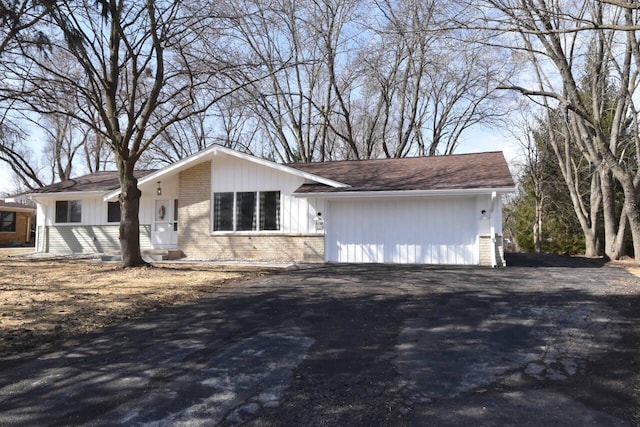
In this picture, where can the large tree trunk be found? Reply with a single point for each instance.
(614, 230)
(591, 236)
(591, 244)
(632, 208)
(129, 221)
(537, 228)
(587, 215)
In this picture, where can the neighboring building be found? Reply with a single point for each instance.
(15, 223)
(220, 204)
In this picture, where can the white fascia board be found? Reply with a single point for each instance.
(406, 193)
(63, 195)
(12, 209)
(218, 149)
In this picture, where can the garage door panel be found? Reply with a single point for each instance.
(427, 230)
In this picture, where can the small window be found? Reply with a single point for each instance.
(223, 212)
(269, 210)
(7, 222)
(68, 211)
(175, 215)
(246, 211)
(113, 212)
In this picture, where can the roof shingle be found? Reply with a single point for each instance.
(98, 181)
(461, 171)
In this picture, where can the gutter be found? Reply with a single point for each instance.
(65, 194)
(407, 193)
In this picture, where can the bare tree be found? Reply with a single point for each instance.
(140, 60)
(534, 168)
(361, 82)
(302, 45)
(429, 83)
(64, 142)
(25, 167)
(18, 31)
(565, 42)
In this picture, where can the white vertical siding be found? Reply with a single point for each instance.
(94, 208)
(496, 216)
(407, 230)
(234, 174)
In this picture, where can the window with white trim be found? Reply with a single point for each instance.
(113, 212)
(246, 211)
(7, 222)
(68, 211)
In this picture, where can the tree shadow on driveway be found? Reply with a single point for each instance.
(355, 345)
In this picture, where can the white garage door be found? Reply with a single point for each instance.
(404, 231)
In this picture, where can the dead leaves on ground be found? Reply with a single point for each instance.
(44, 301)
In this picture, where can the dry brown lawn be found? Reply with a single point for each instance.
(628, 264)
(45, 301)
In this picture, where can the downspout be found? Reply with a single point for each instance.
(494, 260)
(27, 236)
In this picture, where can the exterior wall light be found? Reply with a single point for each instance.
(159, 190)
(319, 222)
(483, 214)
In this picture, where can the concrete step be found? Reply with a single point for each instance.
(149, 255)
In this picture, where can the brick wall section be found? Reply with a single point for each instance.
(276, 248)
(194, 189)
(313, 250)
(486, 246)
(197, 242)
(22, 234)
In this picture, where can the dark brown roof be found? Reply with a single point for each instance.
(98, 181)
(461, 171)
(4, 206)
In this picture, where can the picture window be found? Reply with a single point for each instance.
(246, 211)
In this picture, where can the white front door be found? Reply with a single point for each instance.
(165, 225)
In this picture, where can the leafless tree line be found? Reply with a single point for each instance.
(306, 81)
(362, 79)
(130, 85)
(583, 71)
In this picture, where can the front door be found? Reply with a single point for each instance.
(165, 226)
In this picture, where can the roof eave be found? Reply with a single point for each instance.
(16, 209)
(65, 194)
(215, 149)
(407, 193)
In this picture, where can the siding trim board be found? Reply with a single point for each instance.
(85, 238)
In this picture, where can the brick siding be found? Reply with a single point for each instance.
(486, 246)
(196, 241)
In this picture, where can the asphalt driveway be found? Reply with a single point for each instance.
(546, 341)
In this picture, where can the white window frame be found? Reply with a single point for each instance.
(55, 213)
(235, 213)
